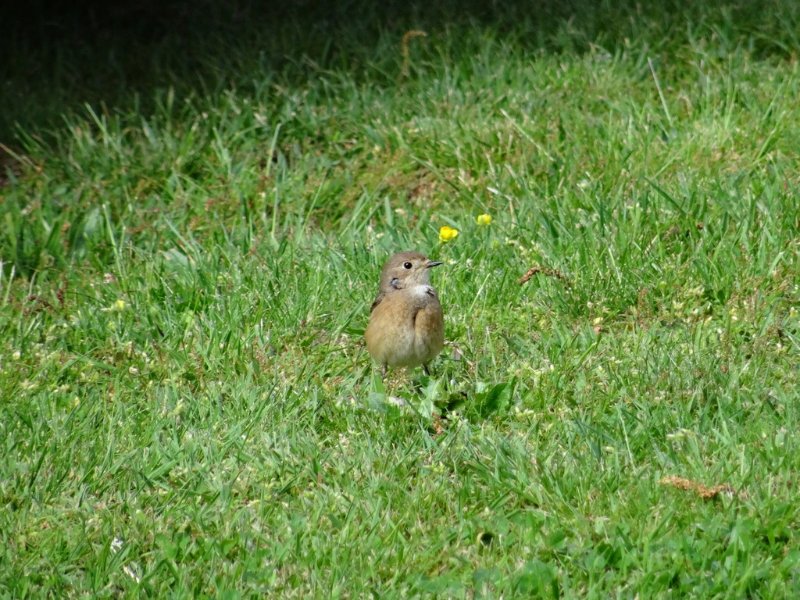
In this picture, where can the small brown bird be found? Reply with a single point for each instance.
(406, 327)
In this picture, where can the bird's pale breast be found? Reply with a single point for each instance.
(406, 328)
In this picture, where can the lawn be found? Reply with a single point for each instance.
(195, 203)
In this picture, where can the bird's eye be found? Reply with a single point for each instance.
(407, 265)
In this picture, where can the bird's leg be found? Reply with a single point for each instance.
(426, 369)
(384, 371)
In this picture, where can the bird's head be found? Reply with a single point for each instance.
(406, 269)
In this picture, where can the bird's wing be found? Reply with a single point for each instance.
(378, 300)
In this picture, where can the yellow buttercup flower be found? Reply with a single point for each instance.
(447, 233)
(483, 219)
(119, 305)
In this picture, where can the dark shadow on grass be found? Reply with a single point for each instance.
(60, 56)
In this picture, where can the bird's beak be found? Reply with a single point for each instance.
(432, 263)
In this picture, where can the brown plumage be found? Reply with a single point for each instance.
(406, 326)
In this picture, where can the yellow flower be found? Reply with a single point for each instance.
(447, 233)
(484, 219)
(119, 305)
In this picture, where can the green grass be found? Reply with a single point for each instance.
(190, 242)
